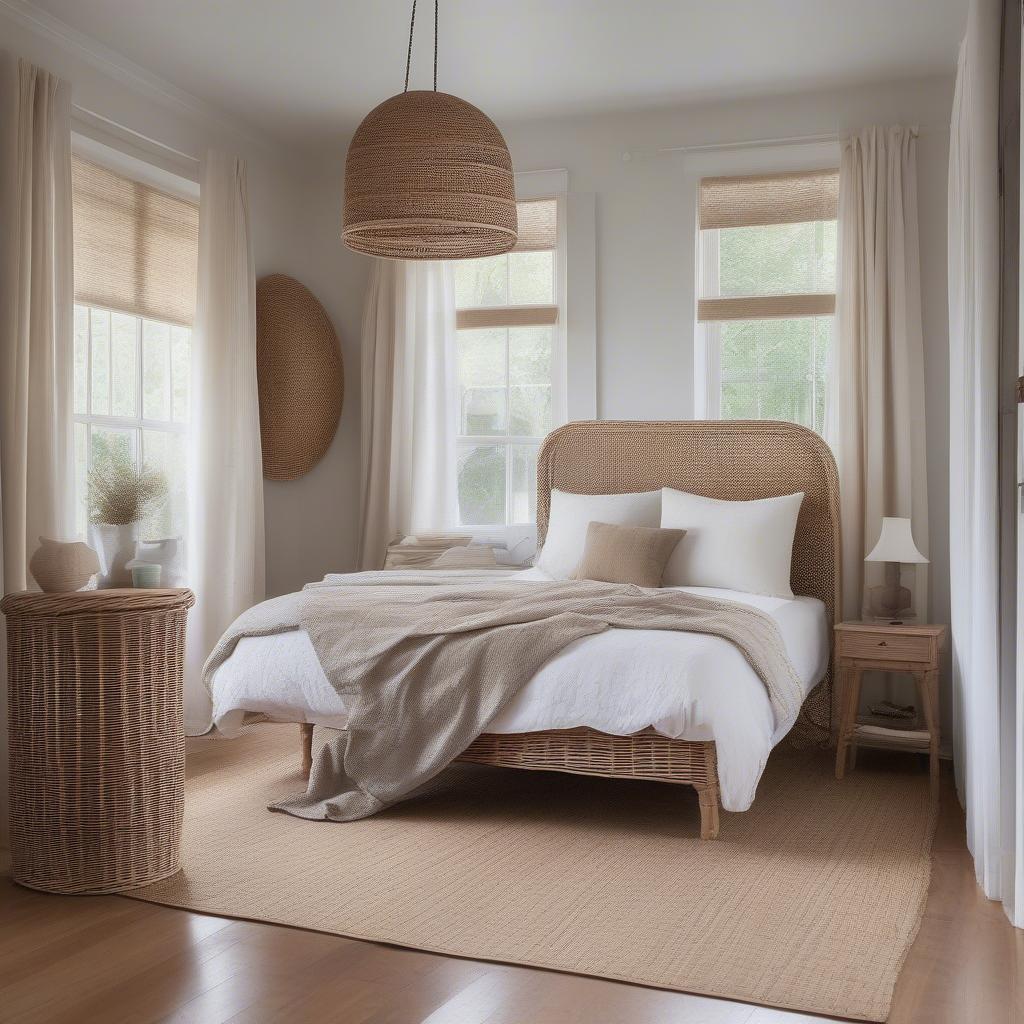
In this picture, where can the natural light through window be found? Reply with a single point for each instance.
(135, 262)
(132, 380)
(509, 348)
(767, 296)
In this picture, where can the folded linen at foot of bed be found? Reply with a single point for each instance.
(423, 669)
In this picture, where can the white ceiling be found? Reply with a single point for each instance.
(299, 68)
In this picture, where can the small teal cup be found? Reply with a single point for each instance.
(146, 576)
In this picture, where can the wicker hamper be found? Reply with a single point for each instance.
(97, 744)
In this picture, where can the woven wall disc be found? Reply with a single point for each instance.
(301, 377)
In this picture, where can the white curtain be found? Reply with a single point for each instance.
(225, 538)
(36, 330)
(985, 774)
(881, 427)
(36, 314)
(410, 415)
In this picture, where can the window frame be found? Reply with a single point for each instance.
(132, 425)
(708, 333)
(175, 184)
(553, 315)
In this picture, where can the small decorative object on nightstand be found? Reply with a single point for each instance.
(121, 496)
(895, 547)
(914, 650)
(60, 566)
(97, 744)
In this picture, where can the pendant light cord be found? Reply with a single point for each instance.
(408, 52)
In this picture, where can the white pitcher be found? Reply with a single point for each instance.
(115, 544)
(169, 554)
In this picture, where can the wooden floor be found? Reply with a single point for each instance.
(119, 961)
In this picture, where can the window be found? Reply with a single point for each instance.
(766, 306)
(135, 281)
(509, 359)
(132, 380)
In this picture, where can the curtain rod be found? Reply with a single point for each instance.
(791, 140)
(124, 129)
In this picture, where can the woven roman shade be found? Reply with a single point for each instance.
(759, 199)
(538, 225)
(506, 316)
(538, 232)
(766, 307)
(136, 248)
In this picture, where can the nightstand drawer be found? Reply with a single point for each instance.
(886, 646)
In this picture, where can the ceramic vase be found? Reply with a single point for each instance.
(116, 547)
(60, 566)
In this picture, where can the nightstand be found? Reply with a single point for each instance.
(871, 646)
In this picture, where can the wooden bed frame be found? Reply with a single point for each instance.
(739, 460)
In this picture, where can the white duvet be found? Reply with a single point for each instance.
(685, 685)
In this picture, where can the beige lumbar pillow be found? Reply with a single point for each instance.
(627, 554)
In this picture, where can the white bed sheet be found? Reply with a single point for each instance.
(685, 685)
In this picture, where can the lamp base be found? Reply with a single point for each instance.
(891, 601)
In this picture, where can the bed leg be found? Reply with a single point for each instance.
(307, 749)
(708, 810)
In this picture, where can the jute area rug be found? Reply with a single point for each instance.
(808, 901)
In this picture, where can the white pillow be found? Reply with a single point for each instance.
(571, 514)
(735, 545)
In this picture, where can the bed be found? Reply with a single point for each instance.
(651, 738)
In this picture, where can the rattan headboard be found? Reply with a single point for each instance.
(734, 459)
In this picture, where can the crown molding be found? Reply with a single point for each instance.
(118, 67)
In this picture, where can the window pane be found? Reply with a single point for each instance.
(529, 410)
(181, 372)
(484, 411)
(482, 282)
(529, 355)
(99, 332)
(110, 442)
(529, 369)
(81, 479)
(156, 370)
(81, 359)
(481, 376)
(481, 483)
(523, 496)
(824, 329)
(481, 356)
(775, 369)
(166, 452)
(531, 278)
(740, 401)
(778, 259)
(124, 370)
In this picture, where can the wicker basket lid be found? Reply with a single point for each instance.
(428, 176)
(301, 377)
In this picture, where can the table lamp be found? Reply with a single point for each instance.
(895, 546)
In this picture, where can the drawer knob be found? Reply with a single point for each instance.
(883, 643)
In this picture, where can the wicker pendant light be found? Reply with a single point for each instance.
(428, 176)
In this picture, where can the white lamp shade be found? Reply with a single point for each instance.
(895, 543)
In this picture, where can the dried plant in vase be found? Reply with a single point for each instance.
(121, 495)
